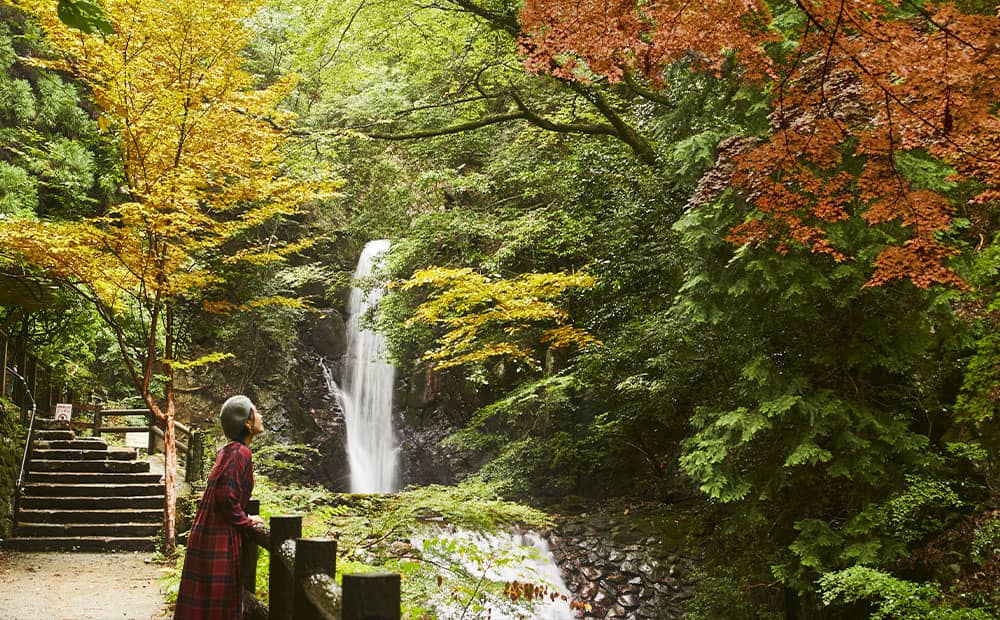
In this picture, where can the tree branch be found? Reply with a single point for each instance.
(507, 22)
(646, 93)
(444, 131)
(623, 130)
(544, 123)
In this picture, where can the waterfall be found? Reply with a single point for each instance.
(367, 395)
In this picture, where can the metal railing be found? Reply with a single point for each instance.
(301, 580)
(27, 442)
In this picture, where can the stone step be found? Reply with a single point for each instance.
(84, 530)
(91, 490)
(62, 477)
(118, 454)
(120, 515)
(90, 543)
(44, 435)
(87, 443)
(51, 424)
(92, 502)
(88, 466)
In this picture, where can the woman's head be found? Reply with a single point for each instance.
(239, 418)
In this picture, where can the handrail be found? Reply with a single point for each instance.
(301, 578)
(27, 448)
(31, 426)
(18, 487)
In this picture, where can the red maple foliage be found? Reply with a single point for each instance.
(620, 35)
(867, 81)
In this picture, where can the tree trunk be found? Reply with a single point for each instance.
(170, 444)
(169, 483)
(169, 471)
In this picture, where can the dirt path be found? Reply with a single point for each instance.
(80, 586)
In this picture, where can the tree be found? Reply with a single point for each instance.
(865, 96)
(201, 151)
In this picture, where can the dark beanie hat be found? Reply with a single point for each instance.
(234, 415)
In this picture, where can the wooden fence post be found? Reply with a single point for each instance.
(248, 555)
(34, 386)
(3, 369)
(312, 556)
(371, 596)
(97, 422)
(195, 457)
(151, 440)
(280, 585)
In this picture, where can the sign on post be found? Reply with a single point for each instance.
(64, 411)
(137, 440)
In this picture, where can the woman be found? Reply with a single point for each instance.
(210, 583)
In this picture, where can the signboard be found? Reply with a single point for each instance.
(64, 411)
(137, 440)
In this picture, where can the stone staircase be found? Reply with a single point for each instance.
(81, 495)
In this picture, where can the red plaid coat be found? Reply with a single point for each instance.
(210, 583)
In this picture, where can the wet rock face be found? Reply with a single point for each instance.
(423, 460)
(622, 568)
(328, 335)
(320, 422)
(430, 409)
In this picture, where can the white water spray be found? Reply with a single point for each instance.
(521, 556)
(367, 395)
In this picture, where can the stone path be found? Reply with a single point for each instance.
(80, 586)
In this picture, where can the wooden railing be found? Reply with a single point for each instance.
(301, 578)
(27, 381)
(189, 442)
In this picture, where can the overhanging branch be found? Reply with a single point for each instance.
(451, 129)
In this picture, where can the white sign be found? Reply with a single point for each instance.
(64, 411)
(137, 440)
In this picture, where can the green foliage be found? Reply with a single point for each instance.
(893, 598)
(56, 162)
(818, 423)
(18, 191)
(85, 15)
(282, 462)
(17, 104)
(986, 541)
(723, 596)
(12, 437)
(170, 580)
(925, 171)
(926, 506)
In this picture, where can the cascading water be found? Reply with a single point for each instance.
(519, 557)
(367, 395)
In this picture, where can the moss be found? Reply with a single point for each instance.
(11, 444)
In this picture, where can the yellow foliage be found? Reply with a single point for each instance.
(202, 155)
(486, 318)
(204, 360)
(278, 300)
(227, 308)
(201, 147)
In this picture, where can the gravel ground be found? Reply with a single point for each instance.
(80, 586)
